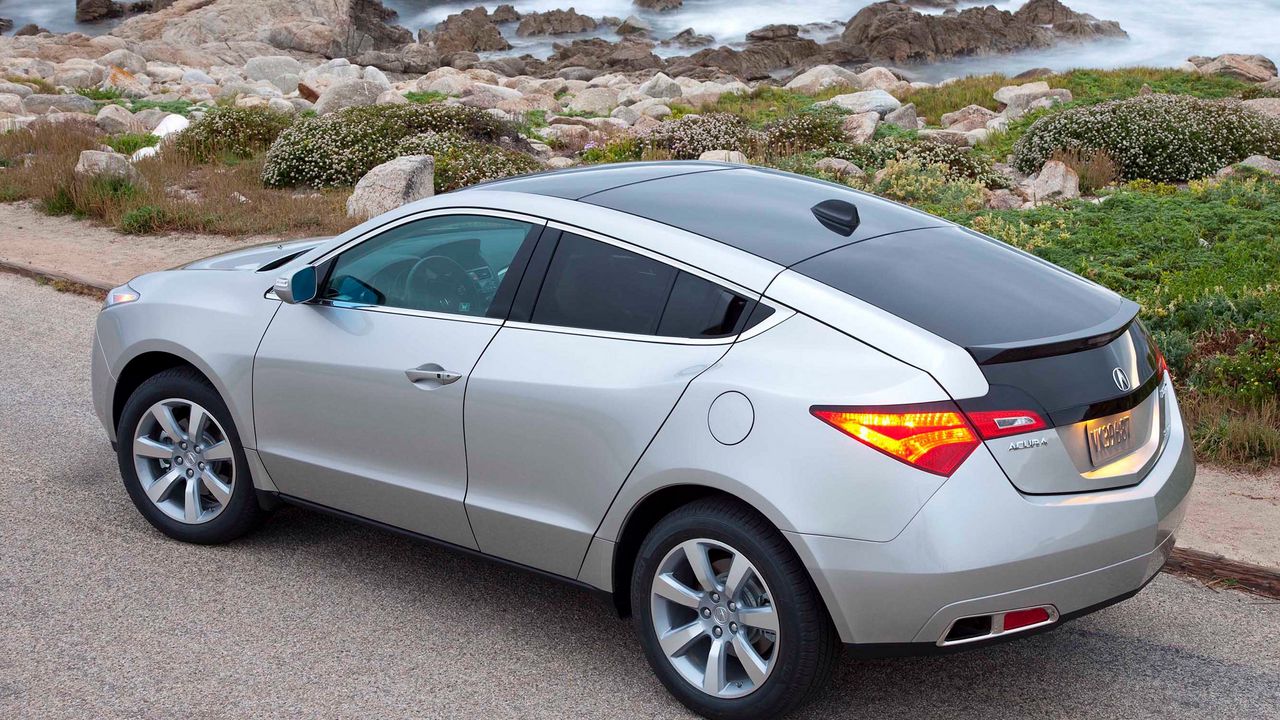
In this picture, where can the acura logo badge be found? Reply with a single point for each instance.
(1122, 380)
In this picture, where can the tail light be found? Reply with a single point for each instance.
(934, 437)
(1162, 367)
(992, 424)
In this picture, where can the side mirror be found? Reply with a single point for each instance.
(297, 287)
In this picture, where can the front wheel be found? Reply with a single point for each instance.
(729, 619)
(182, 462)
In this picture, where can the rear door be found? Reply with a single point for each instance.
(599, 348)
(358, 395)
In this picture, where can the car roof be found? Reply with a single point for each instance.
(757, 210)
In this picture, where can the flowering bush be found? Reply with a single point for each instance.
(804, 131)
(960, 163)
(238, 132)
(461, 162)
(339, 148)
(928, 186)
(1156, 137)
(692, 135)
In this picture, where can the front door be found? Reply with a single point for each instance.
(358, 395)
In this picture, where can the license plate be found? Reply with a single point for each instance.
(1111, 439)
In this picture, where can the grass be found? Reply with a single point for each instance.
(41, 85)
(179, 107)
(932, 103)
(130, 143)
(760, 107)
(425, 97)
(104, 94)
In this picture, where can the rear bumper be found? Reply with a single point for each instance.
(979, 546)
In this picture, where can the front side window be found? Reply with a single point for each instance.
(596, 286)
(451, 264)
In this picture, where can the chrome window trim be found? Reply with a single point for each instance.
(388, 310)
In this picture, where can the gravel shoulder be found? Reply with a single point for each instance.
(316, 617)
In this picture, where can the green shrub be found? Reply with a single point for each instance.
(424, 98)
(144, 219)
(688, 137)
(928, 186)
(804, 131)
(461, 162)
(178, 107)
(230, 132)
(103, 94)
(1158, 137)
(130, 143)
(624, 149)
(339, 148)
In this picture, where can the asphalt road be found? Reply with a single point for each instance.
(102, 617)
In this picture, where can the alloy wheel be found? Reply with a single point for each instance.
(714, 618)
(184, 460)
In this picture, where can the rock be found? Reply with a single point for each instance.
(626, 114)
(115, 120)
(1266, 106)
(172, 123)
(504, 14)
(968, 118)
(280, 70)
(447, 81)
(1002, 199)
(392, 184)
(838, 167)
(1249, 68)
(822, 77)
(1019, 98)
(282, 106)
(469, 31)
(391, 97)
(773, 32)
(859, 128)
(5, 25)
(656, 111)
(901, 34)
(374, 75)
(98, 164)
(904, 117)
(597, 101)
(39, 103)
(726, 156)
(13, 88)
(308, 93)
(348, 93)
(89, 11)
(659, 5)
(687, 38)
(1257, 162)
(197, 77)
(634, 26)
(877, 101)
(560, 163)
(12, 104)
(661, 86)
(576, 72)
(948, 137)
(125, 60)
(555, 22)
(29, 29)
(1055, 181)
(878, 78)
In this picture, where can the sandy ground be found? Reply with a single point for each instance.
(313, 617)
(1233, 514)
(93, 252)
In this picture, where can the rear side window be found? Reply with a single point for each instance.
(596, 286)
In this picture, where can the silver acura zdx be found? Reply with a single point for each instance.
(771, 416)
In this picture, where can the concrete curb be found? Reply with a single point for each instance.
(1210, 567)
(60, 280)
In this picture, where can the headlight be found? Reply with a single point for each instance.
(120, 296)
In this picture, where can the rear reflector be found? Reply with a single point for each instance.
(934, 437)
(992, 424)
(1024, 618)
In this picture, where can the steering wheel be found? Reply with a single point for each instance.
(442, 284)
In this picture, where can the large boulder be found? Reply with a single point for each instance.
(661, 86)
(469, 31)
(904, 117)
(1249, 68)
(970, 117)
(95, 164)
(555, 22)
(821, 77)
(39, 103)
(274, 67)
(89, 11)
(859, 128)
(839, 167)
(392, 184)
(12, 104)
(125, 60)
(659, 5)
(1017, 99)
(115, 120)
(1266, 106)
(348, 93)
(1055, 181)
(13, 88)
(725, 156)
(1261, 163)
(878, 101)
(594, 100)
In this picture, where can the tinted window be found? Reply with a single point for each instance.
(701, 309)
(453, 264)
(964, 287)
(596, 286)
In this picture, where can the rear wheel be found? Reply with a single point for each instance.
(727, 614)
(182, 462)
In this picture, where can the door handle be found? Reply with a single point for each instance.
(431, 373)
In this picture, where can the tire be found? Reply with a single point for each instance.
(800, 655)
(217, 517)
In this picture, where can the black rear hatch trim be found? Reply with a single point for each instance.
(1088, 338)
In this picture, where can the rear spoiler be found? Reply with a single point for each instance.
(1085, 339)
